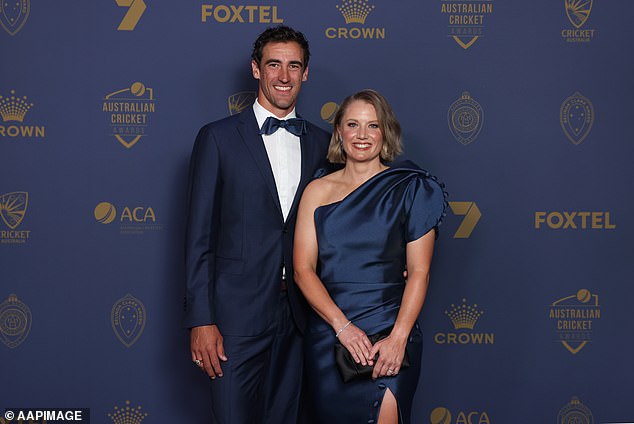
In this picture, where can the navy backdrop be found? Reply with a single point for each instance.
(523, 109)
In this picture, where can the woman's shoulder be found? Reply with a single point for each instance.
(320, 188)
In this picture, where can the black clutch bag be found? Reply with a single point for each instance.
(350, 370)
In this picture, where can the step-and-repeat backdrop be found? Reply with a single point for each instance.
(524, 110)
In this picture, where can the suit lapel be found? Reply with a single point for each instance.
(248, 129)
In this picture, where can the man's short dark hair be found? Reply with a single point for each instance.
(280, 34)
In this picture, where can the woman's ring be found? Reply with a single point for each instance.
(198, 362)
(390, 371)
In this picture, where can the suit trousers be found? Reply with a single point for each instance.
(262, 377)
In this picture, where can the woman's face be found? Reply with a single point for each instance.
(360, 132)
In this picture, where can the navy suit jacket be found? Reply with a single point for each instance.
(237, 241)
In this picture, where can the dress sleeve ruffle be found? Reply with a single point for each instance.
(426, 203)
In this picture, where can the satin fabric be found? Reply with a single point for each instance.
(362, 241)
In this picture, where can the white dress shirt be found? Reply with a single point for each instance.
(285, 156)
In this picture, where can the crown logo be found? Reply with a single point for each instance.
(127, 415)
(14, 108)
(463, 316)
(355, 11)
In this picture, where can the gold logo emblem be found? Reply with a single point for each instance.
(127, 414)
(13, 208)
(13, 15)
(14, 108)
(105, 212)
(466, 20)
(129, 112)
(355, 12)
(136, 8)
(440, 415)
(221, 13)
(471, 215)
(576, 116)
(328, 111)
(15, 321)
(128, 319)
(575, 412)
(463, 318)
(578, 11)
(240, 101)
(465, 118)
(574, 318)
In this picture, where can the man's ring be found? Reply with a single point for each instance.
(390, 371)
(198, 362)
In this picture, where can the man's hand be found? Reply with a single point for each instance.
(207, 348)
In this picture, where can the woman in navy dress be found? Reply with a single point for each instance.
(357, 230)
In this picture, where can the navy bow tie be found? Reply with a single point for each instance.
(295, 126)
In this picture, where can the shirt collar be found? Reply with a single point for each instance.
(261, 113)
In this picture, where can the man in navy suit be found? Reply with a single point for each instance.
(247, 174)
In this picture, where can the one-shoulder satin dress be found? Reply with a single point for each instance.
(362, 241)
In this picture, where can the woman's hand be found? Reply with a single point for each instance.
(391, 351)
(357, 343)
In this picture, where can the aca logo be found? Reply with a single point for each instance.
(328, 111)
(127, 414)
(136, 8)
(132, 220)
(234, 14)
(471, 214)
(464, 317)
(354, 13)
(574, 317)
(240, 101)
(128, 319)
(442, 415)
(13, 15)
(578, 12)
(576, 116)
(574, 220)
(13, 110)
(15, 321)
(575, 412)
(465, 118)
(466, 19)
(128, 111)
(12, 210)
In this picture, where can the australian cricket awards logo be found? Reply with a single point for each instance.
(131, 220)
(15, 321)
(576, 116)
(13, 110)
(578, 12)
(240, 101)
(128, 319)
(13, 14)
(466, 19)
(127, 414)
(465, 118)
(575, 412)
(574, 317)
(128, 111)
(12, 210)
(355, 13)
(463, 318)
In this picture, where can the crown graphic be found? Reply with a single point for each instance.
(355, 11)
(463, 316)
(14, 108)
(127, 415)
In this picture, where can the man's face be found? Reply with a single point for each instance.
(281, 73)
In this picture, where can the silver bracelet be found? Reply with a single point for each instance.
(343, 328)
